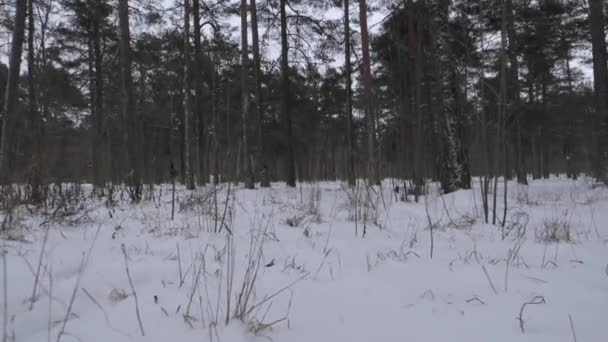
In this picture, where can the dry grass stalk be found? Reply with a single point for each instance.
(572, 328)
(83, 265)
(37, 277)
(4, 296)
(141, 326)
(535, 301)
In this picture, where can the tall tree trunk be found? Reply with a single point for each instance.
(12, 87)
(129, 111)
(189, 178)
(247, 173)
(36, 167)
(504, 104)
(487, 173)
(101, 150)
(600, 85)
(200, 167)
(258, 109)
(418, 135)
(215, 113)
(350, 154)
(514, 100)
(450, 168)
(569, 145)
(367, 85)
(286, 93)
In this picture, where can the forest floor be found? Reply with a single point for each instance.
(291, 265)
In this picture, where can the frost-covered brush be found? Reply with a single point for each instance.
(555, 229)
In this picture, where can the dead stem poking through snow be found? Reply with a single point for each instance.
(83, 265)
(4, 296)
(124, 252)
(538, 300)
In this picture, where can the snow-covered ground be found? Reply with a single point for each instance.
(310, 277)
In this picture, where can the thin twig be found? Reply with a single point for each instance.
(572, 327)
(485, 271)
(322, 263)
(105, 314)
(44, 240)
(50, 311)
(195, 285)
(428, 216)
(141, 326)
(179, 265)
(475, 299)
(4, 296)
(83, 265)
(535, 301)
(72, 298)
(267, 298)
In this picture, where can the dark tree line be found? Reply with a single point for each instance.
(130, 93)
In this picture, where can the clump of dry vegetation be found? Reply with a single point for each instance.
(555, 229)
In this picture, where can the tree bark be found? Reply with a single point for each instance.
(36, 166)
(101, 150)
(418, 135)
(12, 87)
(247, 174)
(285, 107)
(450, 168)
(514, 100)
(600, 85)
(367, 85)
(200, 170)
(189, 178)
(129, 111)
(350, 154)
(258, 109)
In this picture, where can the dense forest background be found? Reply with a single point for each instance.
(139, 93)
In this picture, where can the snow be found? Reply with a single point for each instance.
(325, 283)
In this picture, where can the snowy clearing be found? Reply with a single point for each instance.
(293, 269)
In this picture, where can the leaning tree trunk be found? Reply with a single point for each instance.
(247, 174)
(600, 85)
(350, 154)
(189, 178)
(134, 176)
(285, 107)
(12, 86)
